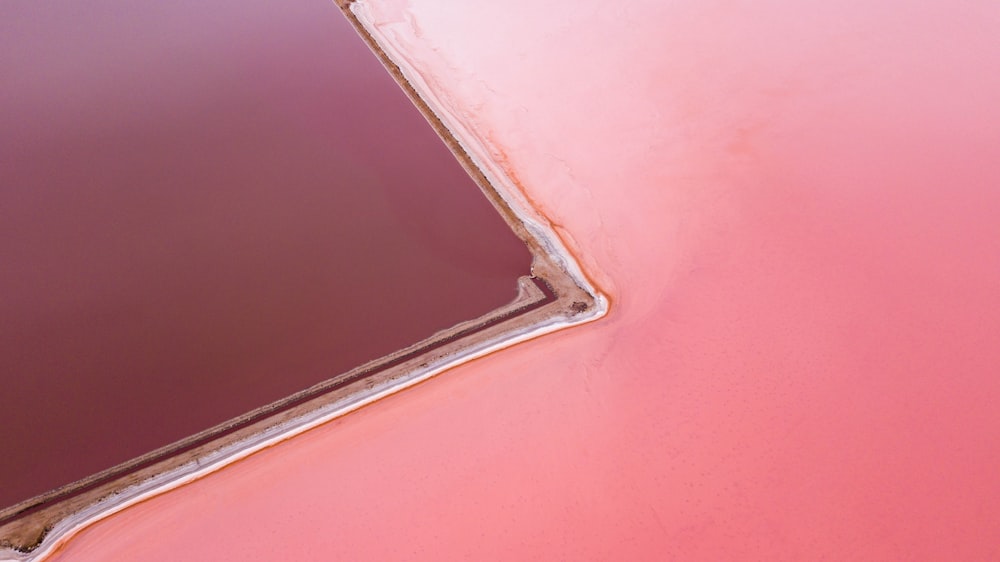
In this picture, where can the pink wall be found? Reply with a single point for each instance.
(793, 207)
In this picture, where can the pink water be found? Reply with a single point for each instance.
(206, 208)
(794, 209)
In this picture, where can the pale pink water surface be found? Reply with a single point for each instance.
(795, 209)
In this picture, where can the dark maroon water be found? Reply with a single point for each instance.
(204, 207)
